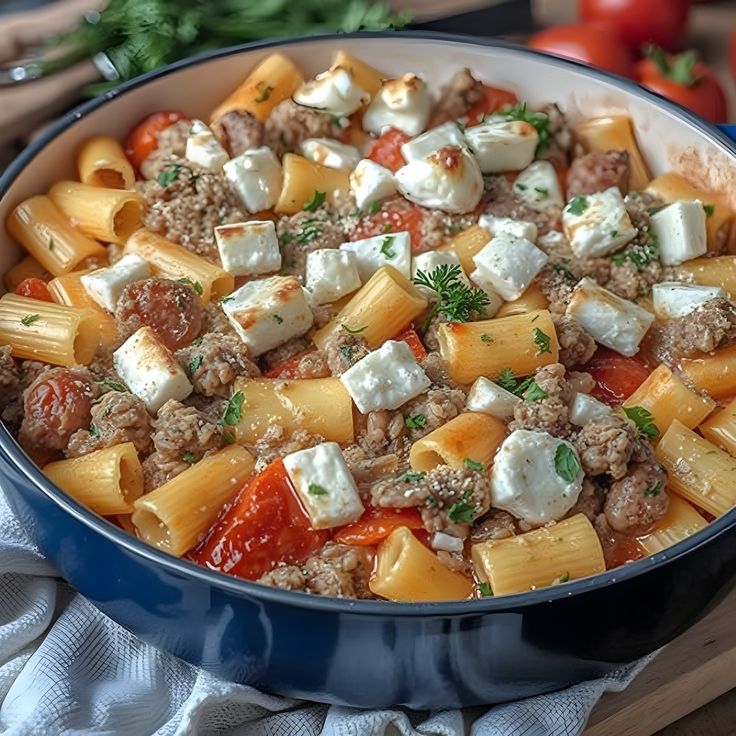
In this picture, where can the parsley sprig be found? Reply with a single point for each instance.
(538, 119)
(643, 420)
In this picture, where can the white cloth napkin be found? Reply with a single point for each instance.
(65, 668)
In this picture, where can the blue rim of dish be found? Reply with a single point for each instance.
(247, 588)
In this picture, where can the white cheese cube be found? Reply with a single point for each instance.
(150, 371)
(597, 224)
(506, 145)
(499, 225)
(527, 477)
(334, 92)
(329, 152)
(447, 134)
(370, 182)
(268, 312)
(403, 103)
(386, 378)
(448, 179)
(325, 485)
(391, 249)
(510, 264)
(447, 542)
(429, 261)
(331, 274)
(672, 299)
(479, 280)
(204, 149)
(585, 408)
(680, 232)
(256, 177)
(105, 285)
(539, 186)
(489, 398)
(612, 321)
(249, 248)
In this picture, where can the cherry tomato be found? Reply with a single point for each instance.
(411, 338)
(142, 141)
(637, 22)
(593, 45)
(616, 376)
(386, 150)
(377, 524)
(35, 289)
(265, 525)
(684, 80)
(171, 309)
(393, 216)
(495, 98)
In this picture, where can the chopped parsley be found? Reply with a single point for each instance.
(308, 233)
(643, 419)
(187, 457)
(194, 364)
(543, 192)
(387, 228)
(113, 385)
(279, 319)
(538, 119)
(93, 430)
(455, 299)
(709, 209)
(355, 331)
(264, 91)
(507, 380)
(227, 298)
(316, 490)
(578, 205)
(29, 319)
(318, 199)
(357, 212)
(474, 465)
(197, 341)
(386, 247)
(533, 392)
(567, 275)
(542, 341)
(373, 207)
(461, 512)
(168, 177)
(639, 255)
(565, 578)
(347, 352)
(613, 234)
(51, 243)
(286, 238)
(654, 489)
(194, 284)
(460, 126)
(485, 337)
(233, 409)
(567, 464)
(411, 477)
(418, 421)
(431, 501)
(485, 590)
(520, 187)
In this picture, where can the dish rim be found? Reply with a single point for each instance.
(246, 588)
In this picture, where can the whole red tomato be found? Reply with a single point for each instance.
(590, 44)
(732, 52)
(685, 80)
(638, 22)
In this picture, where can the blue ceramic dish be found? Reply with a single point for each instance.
(369, 653)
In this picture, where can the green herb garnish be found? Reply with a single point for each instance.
(316, 490)
(373, 207)
(542, 341)
(194, 284)
(709, 209)
(93, 430)
(538, 119)
(352, 331)
(50, 243)
(197, 341)
(461, 512)
(411, 477)
(506, 379)
(308, 234)
(168, 177)
(318, 199)
(194, 364)
(485, 337)
(386, 247)
(485, 590)
(187, 457)
(639, 255)
(264, 91)
(233, 409)
(654, 489)
(29, 319)
(533, 392)
(567, 464)
(347, 352)
(279, 319)
(474, 465)
(113, 385)
(228, 298)
(565, 578)
(643, 419)
(578, 205)
(418, 421)
(542, 192)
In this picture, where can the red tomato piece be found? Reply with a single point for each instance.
(377, 524)
(637, 22)
(732, 52)
(142, 141)
(386, 149)
(616, 376)
(495, 99)
(265, 525)
(590, 44)
(393, 216)
(624, 549)
(288, 368)
(35, 289)
(411, 338)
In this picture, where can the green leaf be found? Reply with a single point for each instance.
(187, 457)
(93, 430)
(578, 205)
(29, 319)
(533, 392)
(709, 210)
(680, 68)
(565, 578)
(168, 177)
(347, 352)
(318, 199)
(643, 419)
(507, 380)
(386, 247)
(485, 337)
(461, 512)
(308, 233)
(418, 421)
(233, 409)
(279, 319)
(567, 464)
(197, 341)
(373, 208)
(538, 119)
(51, 243)
(114, 385)
(194, 284)
(316, 490)
(411, 477)
(194, 364)
(639, 255)
(225, 299)
(653, 489)
(542, 341)
(355, 331)
(474, 465)
(485, 590)
(264, 91)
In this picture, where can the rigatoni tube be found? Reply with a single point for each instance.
(680, 522)
(720, 429)
(715, 373)
(303, 178)
(101, 162)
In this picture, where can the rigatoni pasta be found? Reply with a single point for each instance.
(101, 162)
(715, 373)
(532, 300)
(302, 178)
(720, 428)
(680, 522)
(467, 244)
(27, 267)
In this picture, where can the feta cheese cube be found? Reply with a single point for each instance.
(612, 321)
(386, 378)
(539, 186)
(249, 248)
(330, 153)
(506, 145)
(585, 408)
(489, 398)
(325, 485)
(268, 312)
(150, 371)
(428, 262)
(370, 182)
(680, 232)
(204, 149)
(331, 274)
(479, 280)
(499, 225)
(448, 179)
(335, 92)
(391, 249)
(105, 285)
(447, 134)
(403, 103)
(526, 481)
(597, 224)
(447, 542)
(510, 264)
(674, 299)
(256, 176)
